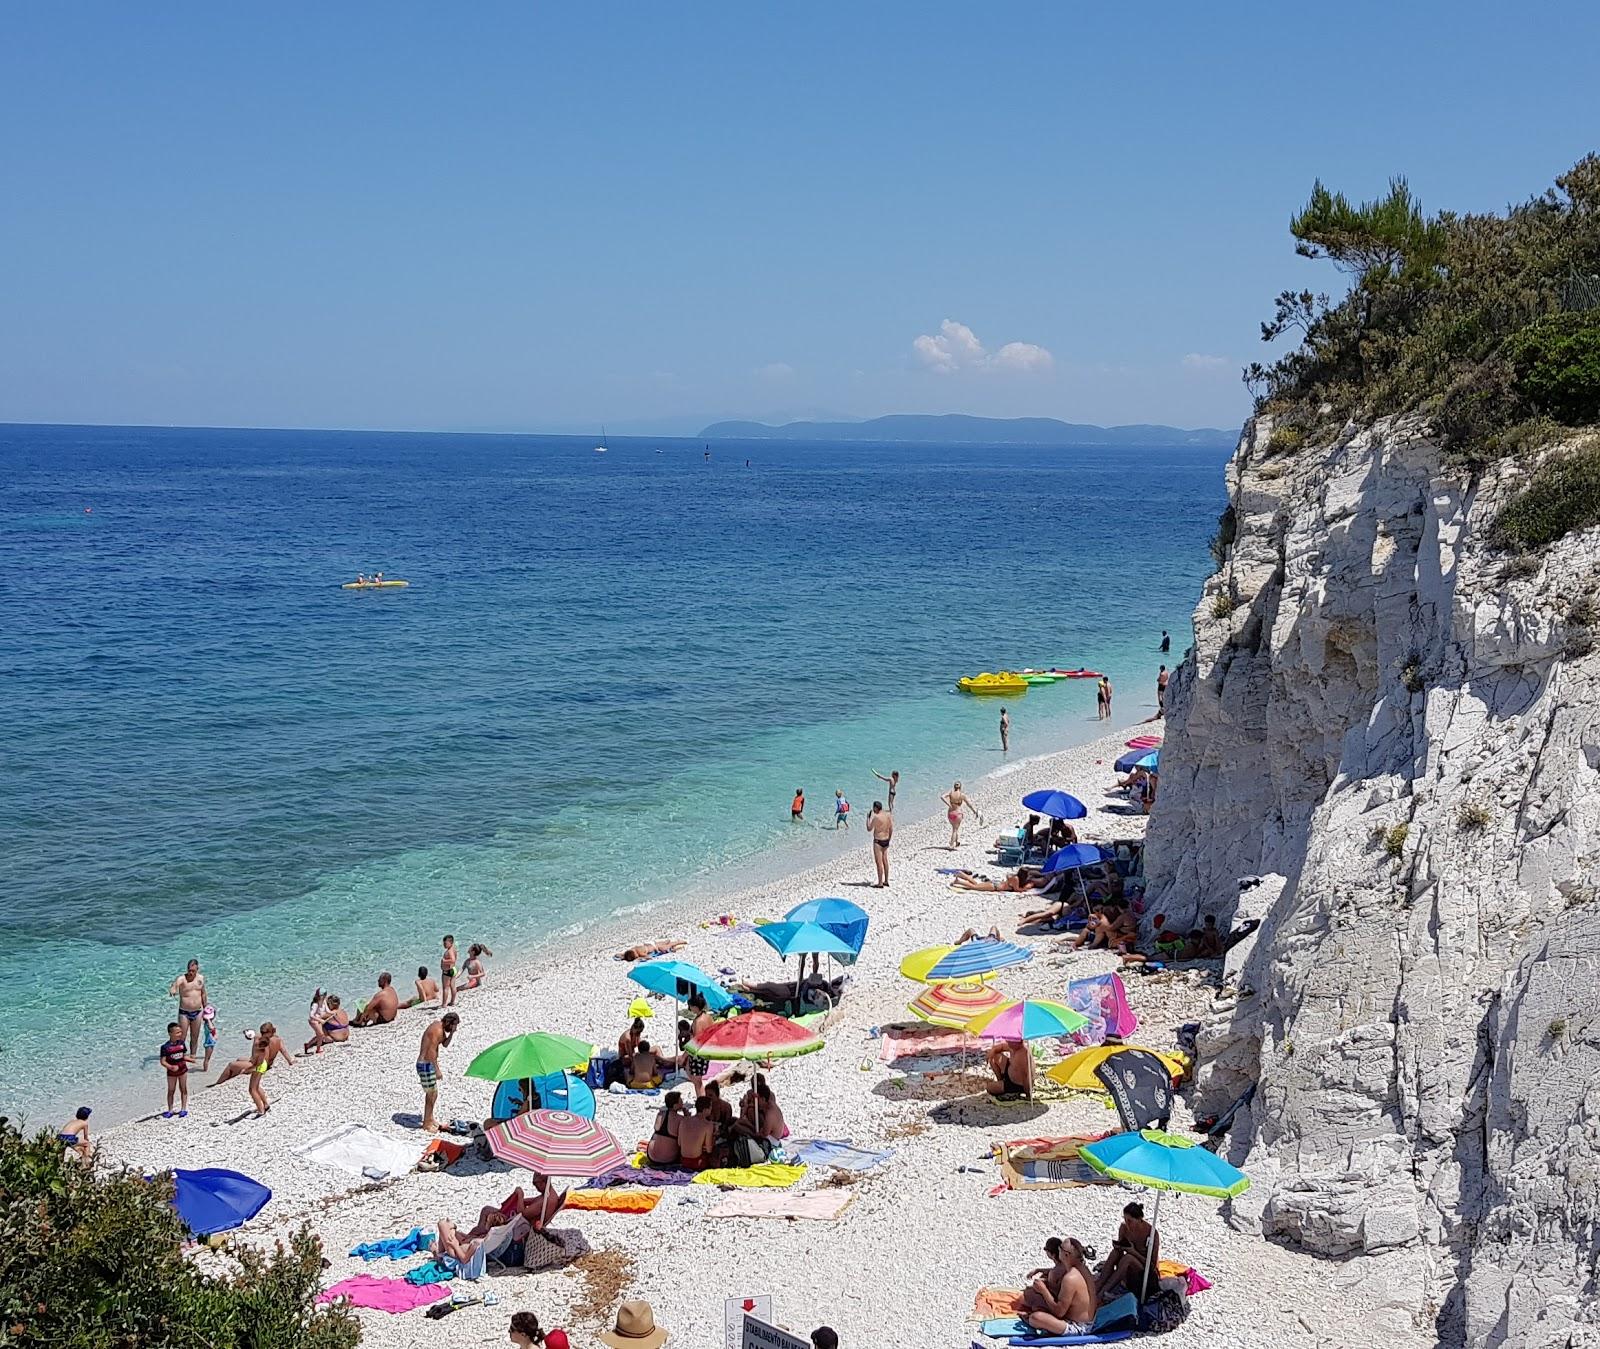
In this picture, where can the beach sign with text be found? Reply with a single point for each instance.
(736, 1309)
(759, 1335)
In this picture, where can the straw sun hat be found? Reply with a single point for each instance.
(635, 1329)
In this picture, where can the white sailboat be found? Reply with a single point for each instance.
(604, 444)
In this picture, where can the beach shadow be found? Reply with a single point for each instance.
(241, 1117)
(945, 1084)
(987, 1113)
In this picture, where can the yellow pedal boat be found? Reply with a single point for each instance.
(991, 684)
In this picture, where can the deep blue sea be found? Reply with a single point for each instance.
(605, 680)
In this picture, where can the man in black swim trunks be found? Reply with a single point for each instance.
(189, 988)
(880, 826)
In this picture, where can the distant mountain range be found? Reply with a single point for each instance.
(954, 429)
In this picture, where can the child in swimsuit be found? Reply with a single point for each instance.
(175, 1059)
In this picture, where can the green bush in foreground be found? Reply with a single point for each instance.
(95, 1261)
(1563, 495)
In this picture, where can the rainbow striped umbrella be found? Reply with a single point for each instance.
(556, 1143)
(755, 1036)
(953, 1005)
(1028, 1019)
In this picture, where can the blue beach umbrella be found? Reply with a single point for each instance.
(677, 979)
(847, 921)
(790, 938)
(1129, 761)
(974, 959)
(1071, 857)
(1150, 761)
(1057, 804)
(1162, 1161)
(216, 1200)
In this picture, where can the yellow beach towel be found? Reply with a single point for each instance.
(766, 1176)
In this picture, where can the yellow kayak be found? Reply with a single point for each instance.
(986, 683)
(372, 585)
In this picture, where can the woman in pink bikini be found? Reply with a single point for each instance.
(955, 801)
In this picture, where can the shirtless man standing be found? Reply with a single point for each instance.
(382, 1006)
(189, 988)
(880, 825)
(435, 1038)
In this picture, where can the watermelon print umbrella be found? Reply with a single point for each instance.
(755, 1036)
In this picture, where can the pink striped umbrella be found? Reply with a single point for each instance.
(556, 1143)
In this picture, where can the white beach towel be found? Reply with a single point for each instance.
(355, 1147)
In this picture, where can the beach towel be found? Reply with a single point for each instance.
(997, 1302)
(1093, 1337)
(763, 1176)
(384, 1295)
(615, 1200)
(430, 1273)
(1004, 1327)
(839, 1152)
(636, 1175)
(904, 1042)
(1104, 1000)
(821, 1205)
(440, 1154)
(395, 1248)
(356, 1148)
(1048, 1164)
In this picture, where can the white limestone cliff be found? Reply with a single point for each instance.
(1399, 720)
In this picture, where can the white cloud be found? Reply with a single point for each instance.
(1196, 360)
(955, 347)
(775, 370)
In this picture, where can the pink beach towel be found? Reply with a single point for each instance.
(384, 1295)
(903, 1042)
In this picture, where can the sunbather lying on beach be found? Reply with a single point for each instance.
(781, 991)
(458, 1246)
(648, 949)
(972, 934)
(1023, 880)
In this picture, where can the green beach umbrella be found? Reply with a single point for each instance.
(1162, 1161)
(532, 1055)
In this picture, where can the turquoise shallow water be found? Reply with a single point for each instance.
(605, 681)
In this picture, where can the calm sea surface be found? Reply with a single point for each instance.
(606, 678)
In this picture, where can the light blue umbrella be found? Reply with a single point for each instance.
(1057, 804)
(1162, 1161)
(847, 921)
(1151, 762)
(676, 979)
(973, 959)
(791, 938)
(1071, 857)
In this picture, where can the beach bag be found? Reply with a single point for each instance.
(746, 1151)
(1166, 1310)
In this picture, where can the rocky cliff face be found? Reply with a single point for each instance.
(1401, 722)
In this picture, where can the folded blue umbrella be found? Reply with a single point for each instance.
(1072, 856)
(213, 1199)
(1057, 804)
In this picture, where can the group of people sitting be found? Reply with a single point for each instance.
(1139, 786)
(528, 1216)
(713, 1135)
(1063, 1297)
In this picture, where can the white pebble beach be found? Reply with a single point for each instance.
(900, 1267)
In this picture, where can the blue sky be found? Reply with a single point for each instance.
(521, 216)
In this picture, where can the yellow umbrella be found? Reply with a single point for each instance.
(1077, 1070)
(953, 1005)
(918, 963)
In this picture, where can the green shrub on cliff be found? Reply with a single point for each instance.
(1488, 325)
(95, 1261)
(1563, 495)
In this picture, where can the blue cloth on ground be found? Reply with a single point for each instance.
(432, 1272)
(1121, 1313)
(1095, 1337)
(840, 1152)
(1005, 1327)
(395, 1248)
